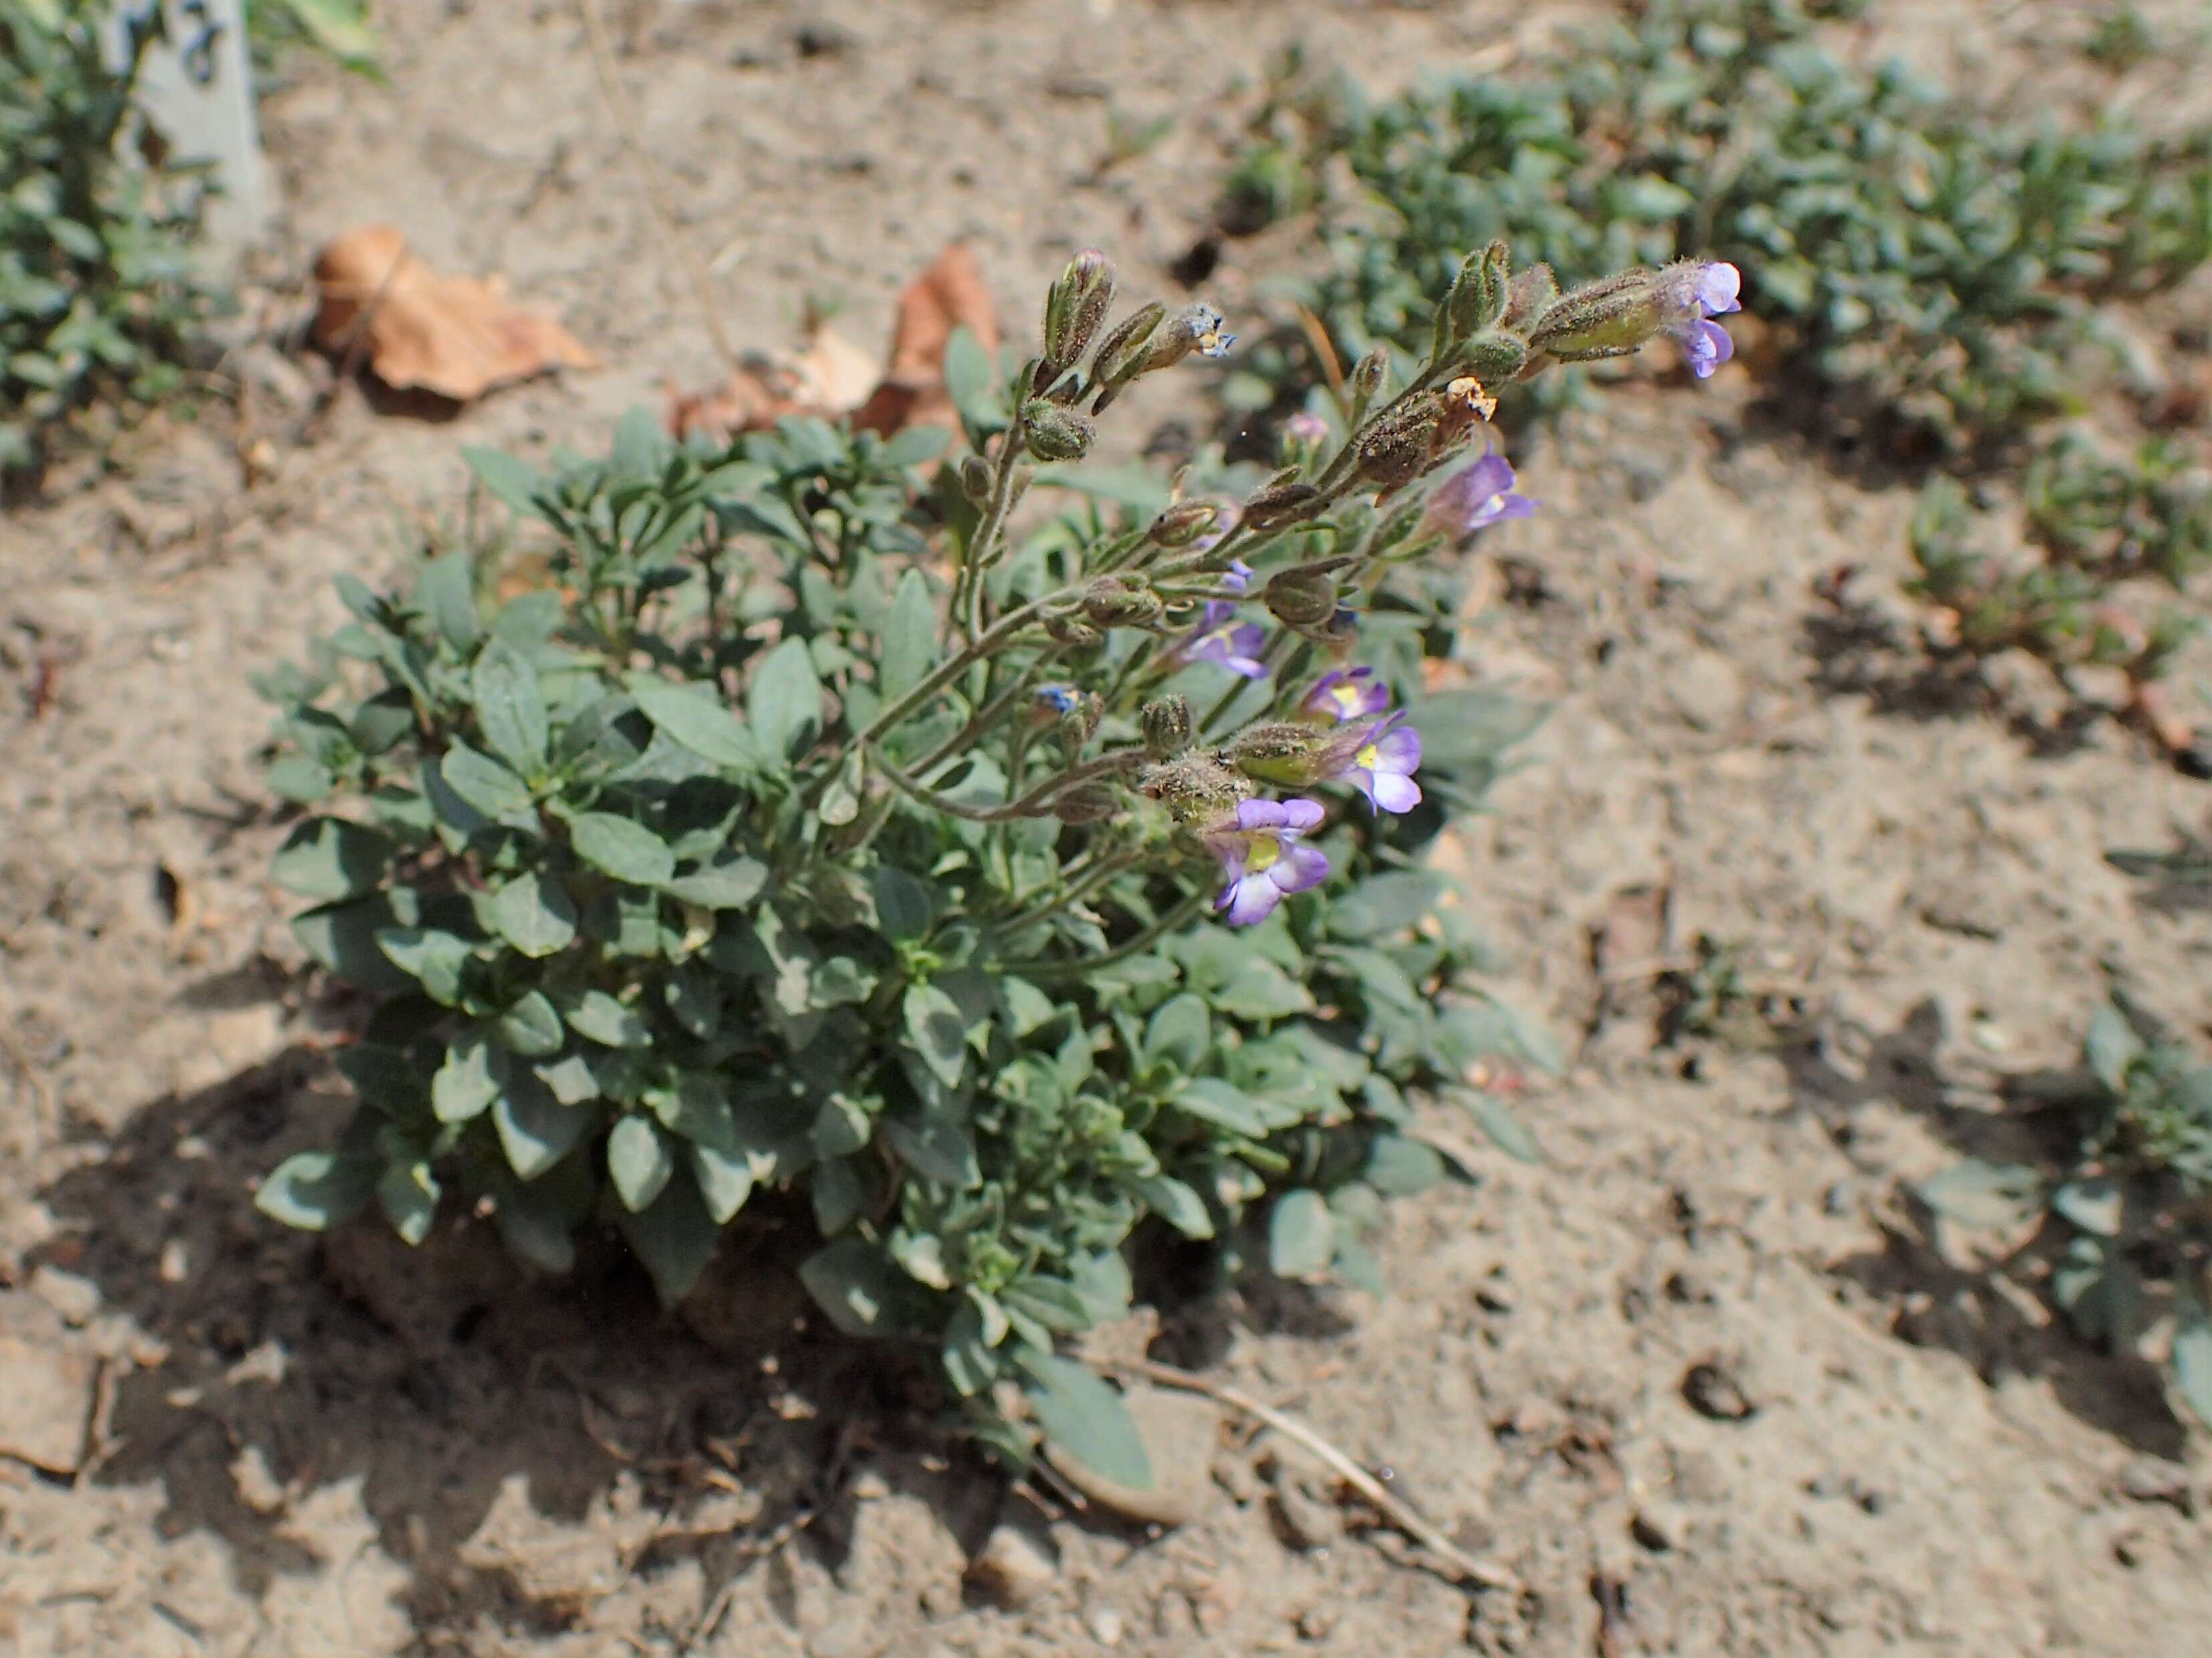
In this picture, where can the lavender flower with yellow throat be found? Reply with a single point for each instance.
(1345, 694)
(1264, 857)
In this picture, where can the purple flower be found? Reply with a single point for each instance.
(1237, 577)
(1263, 857)
(1696, 290)
(1219, 637)
(1475, 499)
(1383, 767)
(1225, 521)
(1345, 694)
(1052, 701)
(1306, 427)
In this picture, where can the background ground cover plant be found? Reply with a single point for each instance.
(817, 830)
(99, 303)
(1934, 277)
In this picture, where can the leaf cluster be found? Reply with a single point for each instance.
(99, 301)
(2126, 1222)
(711, 844)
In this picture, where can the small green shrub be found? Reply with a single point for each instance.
(2128, 1219)
(1920, 261)
(815, 830)
(99, 301)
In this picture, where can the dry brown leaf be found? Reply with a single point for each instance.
(455, 336)
(951, 294)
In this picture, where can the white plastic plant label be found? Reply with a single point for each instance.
(196, 84)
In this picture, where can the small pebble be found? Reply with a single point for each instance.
(1013, 1568)
(1106, 1627)
(1659, 1526)
(1713, 1392)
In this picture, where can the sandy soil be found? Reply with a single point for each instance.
(1700, 1378)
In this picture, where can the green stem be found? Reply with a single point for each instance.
(1074, 893)
(1276, 649)
(1186, 911)
(1031, 805)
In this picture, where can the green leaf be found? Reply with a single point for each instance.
(316, 1190)
(785, 701)
(909, 637)
(532, 1227)
(936, 1031)
(510, 706)
(1300, 1236)
(1213, 1101)
(484, 783)
(904, 906)
(602, 1018)
(1262, 990)
(535, 914)
(726, 1180)
(1497, 1120)
(1181, 1030)
(640, 1160)
(863, 1291)
(408, 1193)
(2112, 1046)
(628, 851)
(1057, 1306)
(2192, 1358)
(530, 1027)
(469, 1080)
(729, 885)
(971, 377)
(1083, 1418)
(324, 858)
(1177, 1205)
(535, 1129)
(1401, 1168)
(445, 591)
(675, 1238)
(297, 778)
(434, 959)
(2093, 1203)
(1998, 1197)
(938, 1145)
(514, 481)
(840, 1194)
(342, 938)
(692, 714)
(571, 1079)
(1394, 902)
(338, 27)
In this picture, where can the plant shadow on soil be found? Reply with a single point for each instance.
(1985, 1313)
(438, 1377)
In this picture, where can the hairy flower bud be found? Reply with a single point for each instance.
(1074, 634)
(1394, 448)
(1532, 294)
(1196, 788)
(1477, 298)
(1291, 754)
(1493, 355)
(1303, 598)
(1087, 802)
(975, 480)
(1196, 327)
(1121, 352)
(1073, 312)
(1609, 318)
(1054, 433)
(1121, 601)
(1165, 722)
(1370, 374)
(1181, 525)
(1282, 503)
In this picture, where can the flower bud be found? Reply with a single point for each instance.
(1079, 724)
(1493, 355)
(1196, 788)
(1166, 726)
(1292, 755)
(1394, 448)
(1074, 634)
(1304, 435)
(1609, 318)
(1303, 598)
(1055, 434)
(1370, 374)
(1282, 503)
(1532, 294)
(1087, 802)
(975, 480)
(1121, 352)
(1183, 523)
(1121, 601)
(1073, 311)
(1196, 327)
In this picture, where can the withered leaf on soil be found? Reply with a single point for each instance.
(831, 377)
(418, 330)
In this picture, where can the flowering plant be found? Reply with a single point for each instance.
(985, 883)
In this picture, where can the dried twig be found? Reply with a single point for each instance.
(1465, 1567)
(655, 188)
